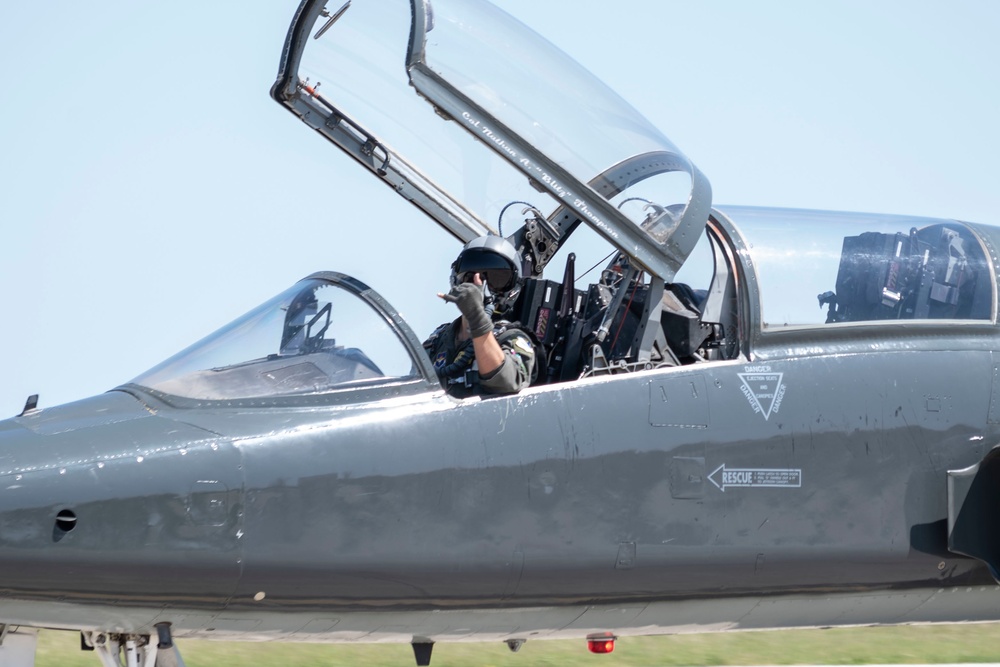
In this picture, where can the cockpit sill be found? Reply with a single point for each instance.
(394, 392)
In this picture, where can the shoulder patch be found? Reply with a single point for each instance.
(523, 345)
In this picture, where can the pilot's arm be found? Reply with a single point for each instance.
(503, 368)
(489, 355)
(514, 371)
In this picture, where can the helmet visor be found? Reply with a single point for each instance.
(495, 270)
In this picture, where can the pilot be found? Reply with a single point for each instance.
(480, 352)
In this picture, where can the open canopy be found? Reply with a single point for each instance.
(464, 110)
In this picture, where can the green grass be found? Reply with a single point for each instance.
(878, 645)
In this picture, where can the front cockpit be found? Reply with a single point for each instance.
(465, 112)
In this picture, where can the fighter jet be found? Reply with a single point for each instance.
(742, 418)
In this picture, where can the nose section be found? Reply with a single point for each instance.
(24, 465)
(47, 463)
(8, 432)
(14, 439)
(37, 450)
(22, 519)
(96, 495)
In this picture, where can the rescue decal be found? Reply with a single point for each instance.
(787, 478)
(763, 389)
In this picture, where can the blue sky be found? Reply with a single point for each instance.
(150, 190)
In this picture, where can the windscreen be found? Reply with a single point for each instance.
(309, 339)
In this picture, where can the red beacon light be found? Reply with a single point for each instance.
(602, 643)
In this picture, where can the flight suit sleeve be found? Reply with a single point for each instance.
(514, 374)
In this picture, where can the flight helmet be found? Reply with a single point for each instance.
(497, 262)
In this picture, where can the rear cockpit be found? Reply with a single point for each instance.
(628, 320)
(937, 272)
(821, 268)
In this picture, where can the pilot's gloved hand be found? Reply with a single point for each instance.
(469, 299)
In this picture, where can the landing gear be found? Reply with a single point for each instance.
(422, 649)
(120, 650)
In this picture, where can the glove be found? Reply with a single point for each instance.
(469, 299)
